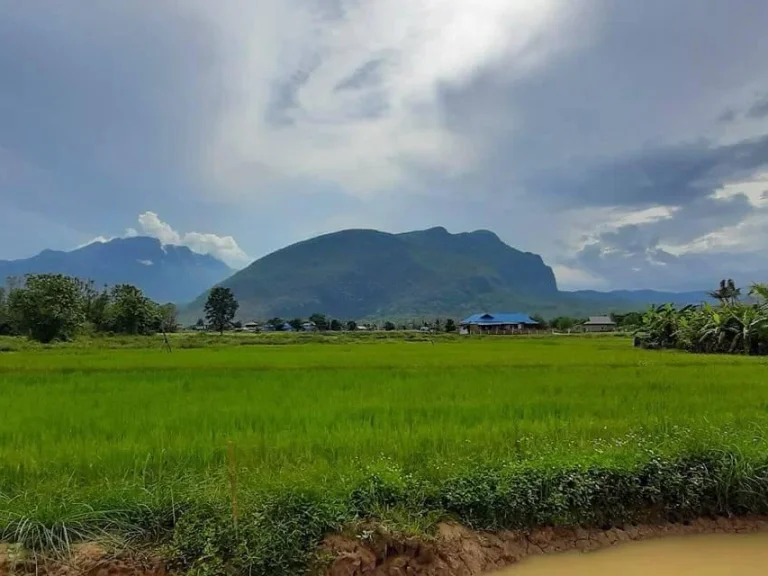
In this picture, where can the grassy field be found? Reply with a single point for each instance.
(497, 432)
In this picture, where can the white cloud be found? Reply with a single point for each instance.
(352, 100)
(570, 278)
(224, 248)
(145, 262)
(97, 240)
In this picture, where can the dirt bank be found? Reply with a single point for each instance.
(87, 559)
(454, 551)
(458, 551)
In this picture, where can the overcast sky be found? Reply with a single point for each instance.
(624, 141)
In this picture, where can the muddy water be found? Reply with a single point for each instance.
(709, 555)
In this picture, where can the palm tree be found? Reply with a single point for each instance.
(727, 293)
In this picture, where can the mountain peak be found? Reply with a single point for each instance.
(482, 233)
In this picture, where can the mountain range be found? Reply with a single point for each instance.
(351, 274)
(165, 273)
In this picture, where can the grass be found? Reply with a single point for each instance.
(106, 437)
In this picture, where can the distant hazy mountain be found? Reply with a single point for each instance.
(365, 273)
(164, 273)
(644, 297)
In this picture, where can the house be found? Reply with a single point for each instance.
(309, 327)
(599, 324)
(251, 327)
(498, 323)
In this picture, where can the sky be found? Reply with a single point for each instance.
(625, 142)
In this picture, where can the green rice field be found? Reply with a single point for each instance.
(153, 446)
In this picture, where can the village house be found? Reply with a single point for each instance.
(499, 324)
(599, 324)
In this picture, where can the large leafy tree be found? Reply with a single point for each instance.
(48, 307)
(131, 312)
(320, 321)
(220, 308)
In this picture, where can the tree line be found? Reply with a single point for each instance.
(221, 307)
(55, 307)
(731, 326)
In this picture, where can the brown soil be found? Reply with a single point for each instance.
(89, 559)
(458, 551)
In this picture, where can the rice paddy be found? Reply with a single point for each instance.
(128, 440)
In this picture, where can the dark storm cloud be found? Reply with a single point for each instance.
(631, 103)
(99, 97)
(666, 176)
(635, 249)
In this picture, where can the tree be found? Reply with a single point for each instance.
(628, 320)
(97, 310)
(319, 320)
(727, 293)
(130, 312)
(564, 323)
(540, 319)
(200, 323)
(48, 307)
(8, 327)
(389, 326)
(296, 324)
(169, 317)
(220, 308)
(351, 325)
(450, 325)
(437, 325)
(276, 324)
(336, 325)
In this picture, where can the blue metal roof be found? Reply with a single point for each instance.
(497, 318)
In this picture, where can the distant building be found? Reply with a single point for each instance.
(251, 327)
(309, 327)
(599, 324)
(499, 324)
